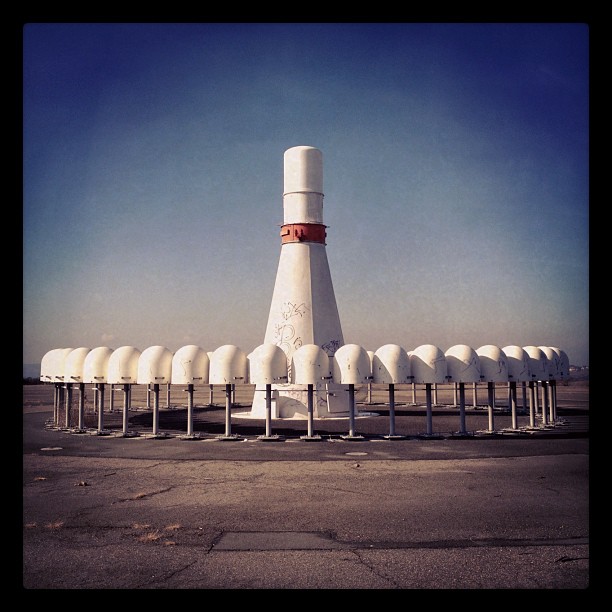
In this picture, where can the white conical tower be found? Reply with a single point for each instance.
(303, 309)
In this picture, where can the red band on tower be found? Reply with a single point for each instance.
(303, 232)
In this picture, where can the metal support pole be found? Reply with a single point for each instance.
(268, 410)
(190, 409)
(155, 408)
(551, 402)
(491, 403)
(544, 403)
(228, 410)
(310, 435)
(351, 399)
(531, 405)
(369, 393)
(524, 387)
(512, 398)
(392, 435)
(210, 397)
(455, 394)
(168, 396)
(126, 403)
(129, 397)
(94, 398)
(310, 410)
(68, 403)
(429, 410)
(351, 402)
(535, 397)
(61, 402)
(462, 429)
(81, 406)
(148, 396)
(435, 394)
(100, 388)
(414, 393)
(553, 389)
(474, 396)
(111, 399)
(391, 410)
(269, 436)
(228, 415)
(55, 404)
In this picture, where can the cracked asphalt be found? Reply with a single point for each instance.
(476, 512)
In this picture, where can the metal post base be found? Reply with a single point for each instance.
(394, 437)
(462, 434)
(128, 434)
(76, 430)
(158, 436)
(230, 438)
(315, 438)
(194, 436)
(101, 432)
(272, 438)
(354, 438)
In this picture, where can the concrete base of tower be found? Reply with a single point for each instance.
(291, 401)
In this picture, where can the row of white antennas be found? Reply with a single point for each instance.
(310, 366)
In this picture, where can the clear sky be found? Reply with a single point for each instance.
(456, 180)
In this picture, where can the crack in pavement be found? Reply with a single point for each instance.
(373, 570)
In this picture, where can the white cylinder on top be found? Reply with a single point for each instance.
(303, 185)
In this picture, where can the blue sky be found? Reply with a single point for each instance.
(456, 180)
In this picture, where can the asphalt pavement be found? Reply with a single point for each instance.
(457, 510)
